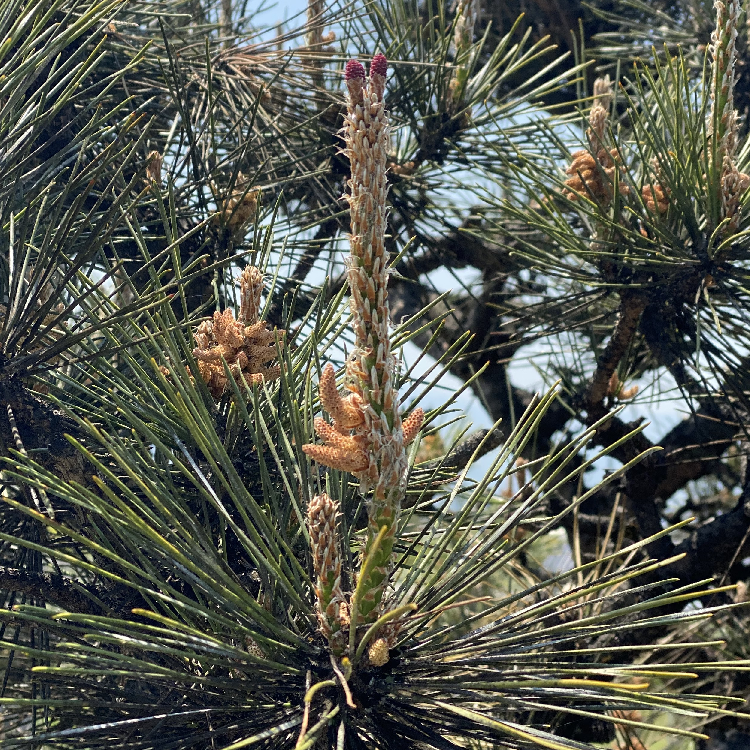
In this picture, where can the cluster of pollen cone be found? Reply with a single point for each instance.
(246, 344)
(345, 444)
(656, 198)
(593, 171)
(333, 611)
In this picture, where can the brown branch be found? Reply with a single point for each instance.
(459, 248)
(457, 459)
(613, 430)
(710, 549)
(631, 307)
(692, 447)
(480, 317)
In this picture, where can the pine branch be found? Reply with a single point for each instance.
(631, 307)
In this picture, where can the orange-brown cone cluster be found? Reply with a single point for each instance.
(592, 171)
(656, 198)
(593, 176)
(247, 349)
(153, 168)
(345, 445)
(378, 652)
(733, 185)
(616, 389)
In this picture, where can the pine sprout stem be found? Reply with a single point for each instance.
(363, 577)
(310, 694)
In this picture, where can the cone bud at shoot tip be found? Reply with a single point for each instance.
(378, 71)
(354, 75)
(379, 66)
(354, 69)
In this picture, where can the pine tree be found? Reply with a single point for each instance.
(232, 514)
